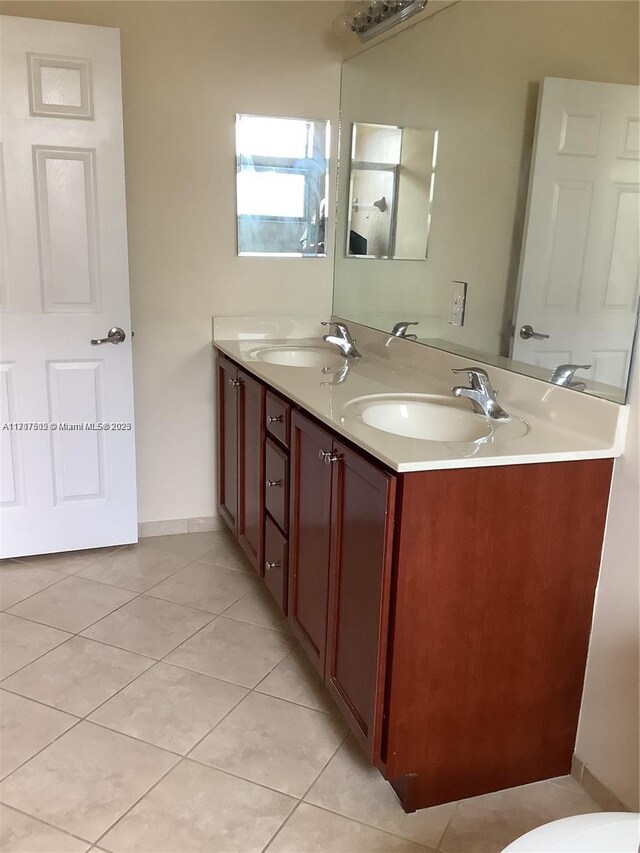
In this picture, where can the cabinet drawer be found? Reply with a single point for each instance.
(277, 484)
(276, 553)
(278, 418)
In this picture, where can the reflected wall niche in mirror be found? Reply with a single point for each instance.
(536, 197)
(282, 169)
(391, 180)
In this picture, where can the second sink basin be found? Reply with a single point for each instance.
(417, 416)
(298, 356)
(430, 418)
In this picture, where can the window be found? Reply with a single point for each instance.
(281, 186)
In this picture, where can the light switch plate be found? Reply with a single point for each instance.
(458, 303)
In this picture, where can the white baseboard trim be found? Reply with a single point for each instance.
(180, 525)
(596, 789)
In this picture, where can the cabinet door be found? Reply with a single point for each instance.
(361, 544)
(250, 527)
(309, 526)
(228, 384)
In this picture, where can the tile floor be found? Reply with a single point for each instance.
(153, 699)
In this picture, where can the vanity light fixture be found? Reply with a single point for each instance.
(368, 20)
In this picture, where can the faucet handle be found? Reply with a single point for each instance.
(478, 376)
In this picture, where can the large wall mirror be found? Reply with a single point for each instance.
(528, 217)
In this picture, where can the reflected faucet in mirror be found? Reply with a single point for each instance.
(400, 329)
(564, 373)
(337, 375)
(480, 393)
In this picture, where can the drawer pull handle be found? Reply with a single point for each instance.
(328, 456)
(271, 565)
(235, 382)
(275, 419)
(271, 484)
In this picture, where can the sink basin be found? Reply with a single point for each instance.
(298, 356)
(431, 417)
(417, 416)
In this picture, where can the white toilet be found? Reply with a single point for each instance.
(605, 832)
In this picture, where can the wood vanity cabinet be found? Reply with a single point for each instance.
(448, 611)
(241, 458)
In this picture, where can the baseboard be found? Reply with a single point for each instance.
(596, 789)
(180, 525)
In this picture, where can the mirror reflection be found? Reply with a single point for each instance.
(533, 248)
(390, 191)
(281, 186)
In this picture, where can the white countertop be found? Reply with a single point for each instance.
(562, 425)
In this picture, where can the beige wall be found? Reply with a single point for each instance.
(472, 72)
(608, 734)
(187, 69)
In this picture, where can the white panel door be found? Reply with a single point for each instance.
(67, 479)
(579, 269)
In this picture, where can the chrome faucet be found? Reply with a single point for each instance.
(342, 339)
(480, 393)
(400, 329)
(564, 373)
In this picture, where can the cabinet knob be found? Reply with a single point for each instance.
(328, 456)
(275, 419)
(271, 484)
(271, 565)
(234, 382)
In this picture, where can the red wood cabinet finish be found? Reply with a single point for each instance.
(276, 560)
(278, 418)
(228, 384)
(277, 484)
(363, 502)
(250, 519)
(309, 544)
(496, 570)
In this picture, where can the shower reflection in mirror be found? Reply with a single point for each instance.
(281, 186)
(392, 176)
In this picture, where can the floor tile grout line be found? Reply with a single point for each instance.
(133, 805)
(37, 592)
(53, 648)
(183, 758)
(77, 722)
(454, 812)
(46, 823)
(418, 844)
(301, 800)
(5, 689)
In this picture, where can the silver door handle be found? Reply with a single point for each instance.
(527, 332)
(114, 336)
(271, 484)
(328, 456)
(271, 565)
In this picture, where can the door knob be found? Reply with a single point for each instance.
(527, 332)
(271, 565)
(271, 484)
(116, 335)
(275, 419)
(327, 456)
(235, 382)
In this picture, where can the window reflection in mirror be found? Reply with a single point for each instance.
(281, 186)
(392, 174)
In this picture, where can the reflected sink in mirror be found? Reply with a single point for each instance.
(297, 356)
(431, 417)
